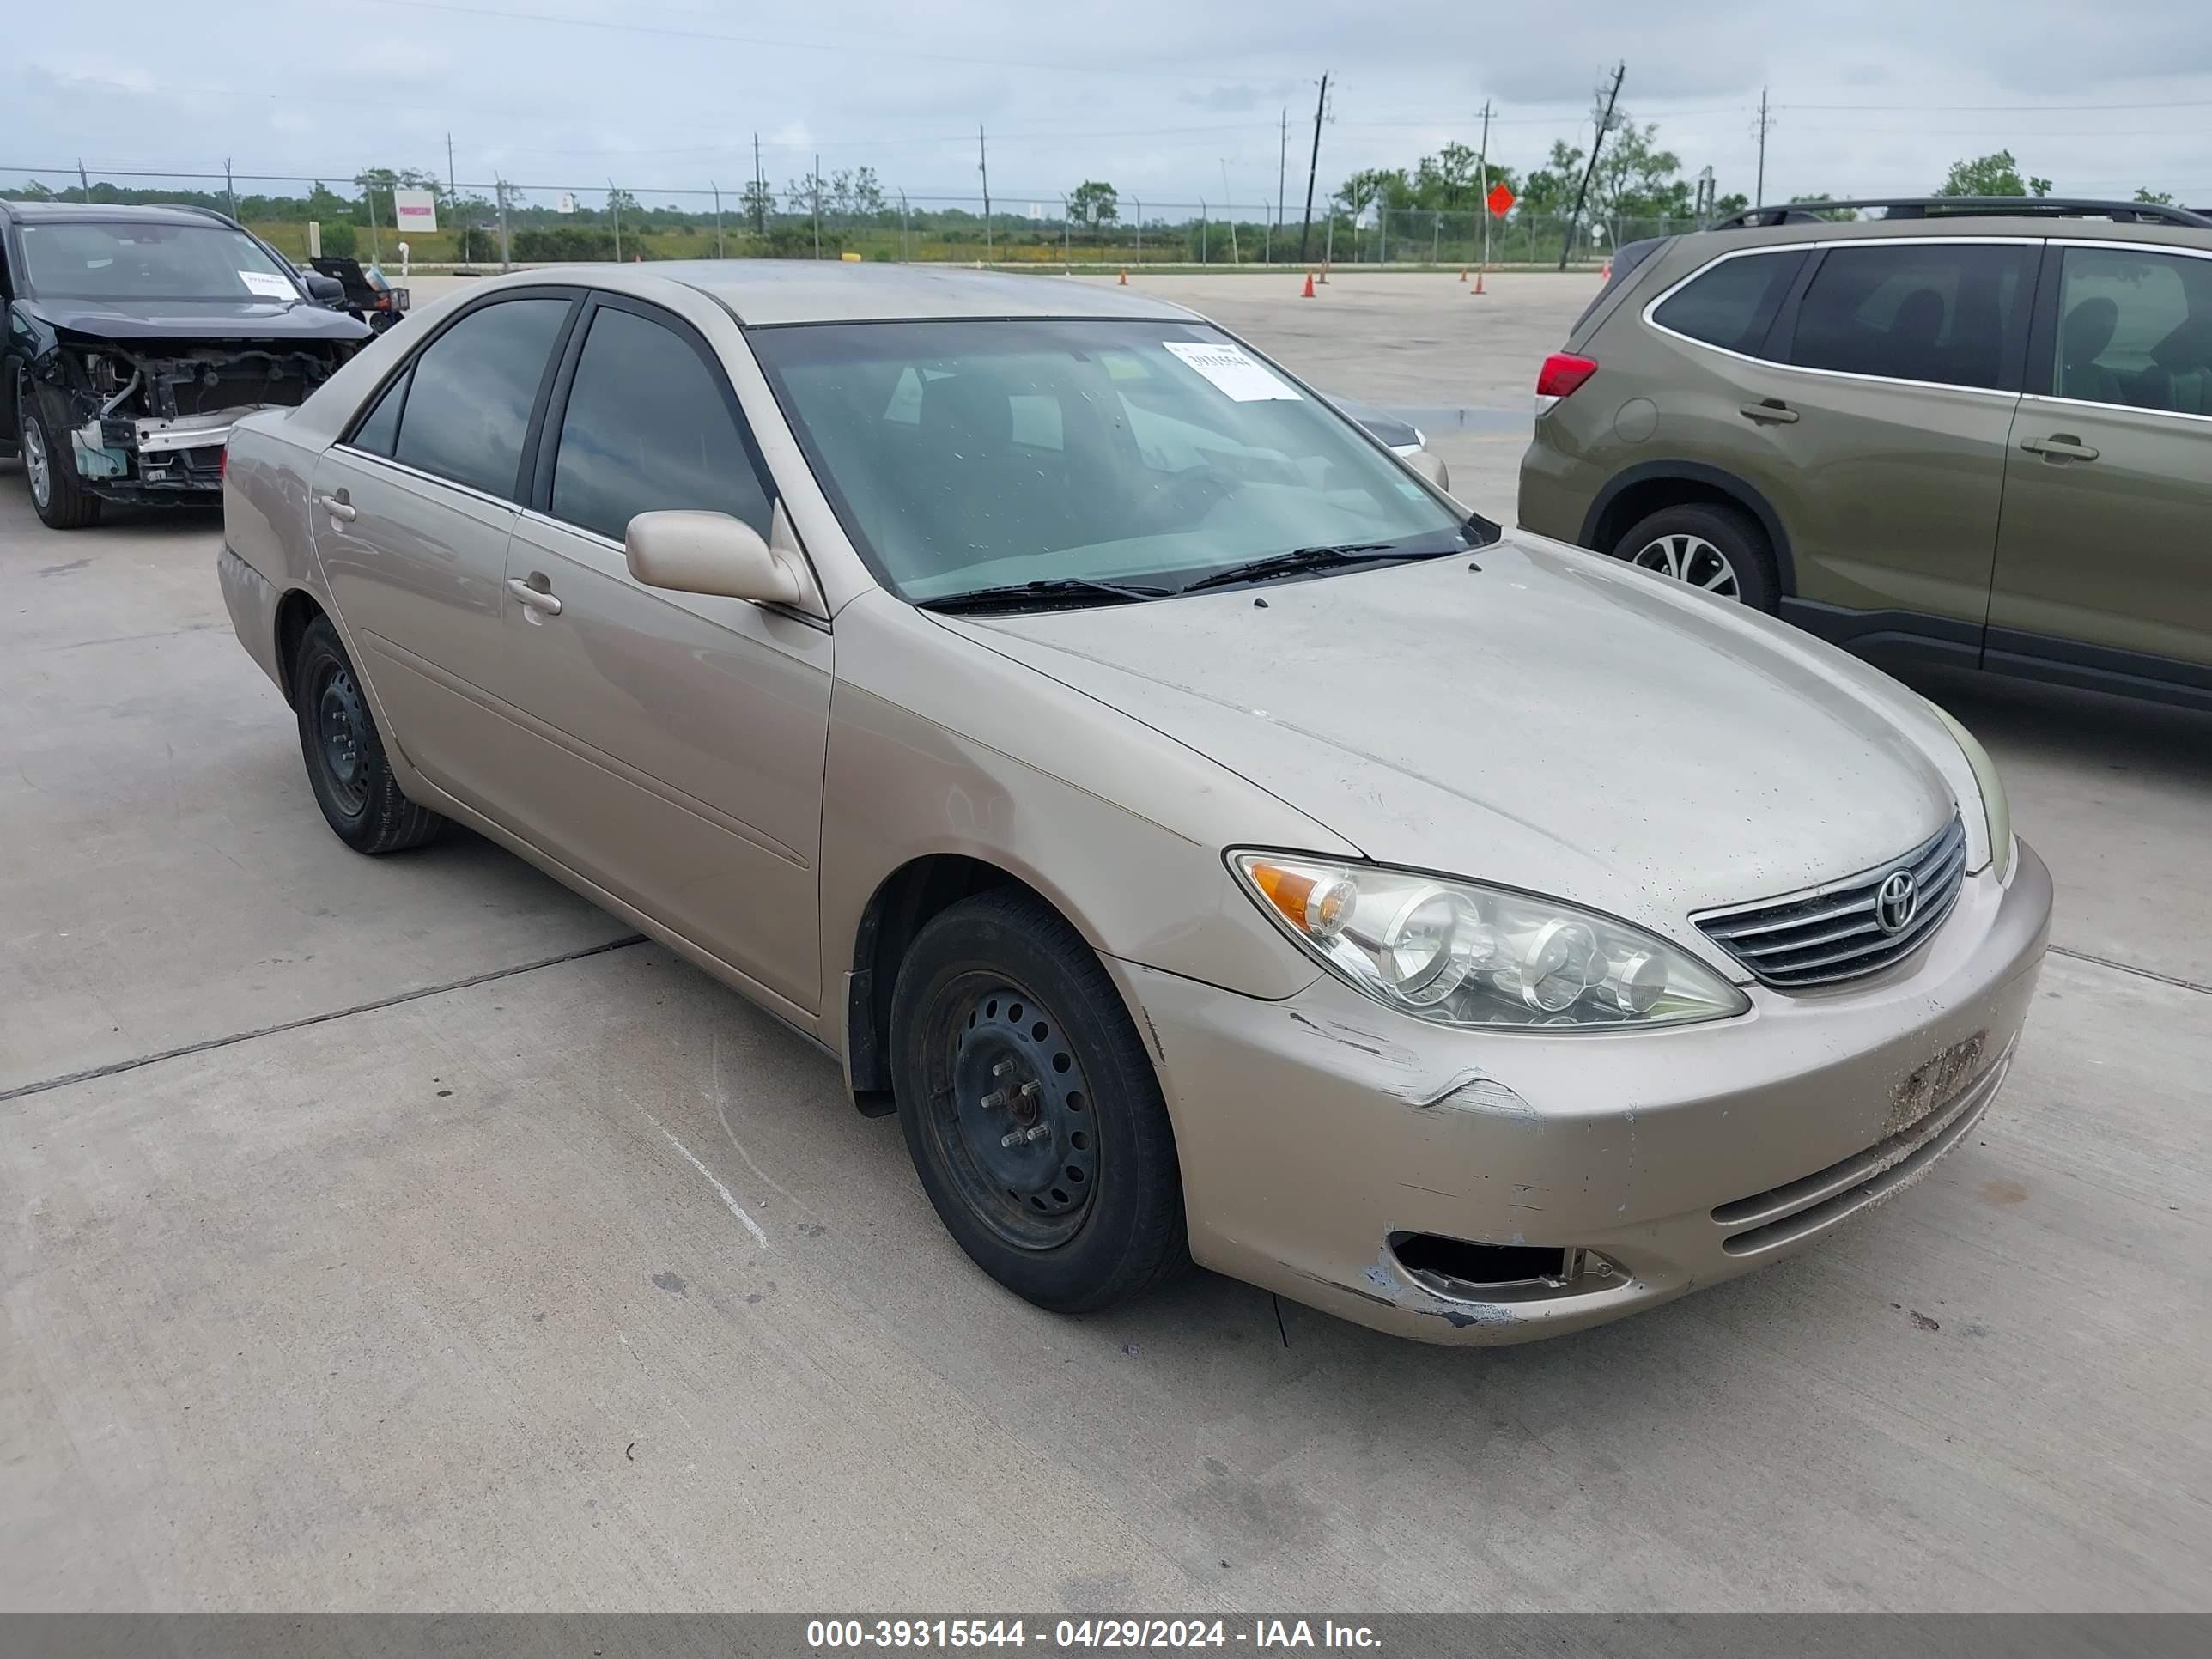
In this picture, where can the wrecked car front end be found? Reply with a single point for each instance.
(146, 420)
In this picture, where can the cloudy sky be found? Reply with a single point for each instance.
(1169, 102)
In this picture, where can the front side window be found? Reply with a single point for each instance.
(967, 455)
(648, 428)
(1949, 313)
(1731, 304)
(74, 259)
(2134, 328)
(468, 410)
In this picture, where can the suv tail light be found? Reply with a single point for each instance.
(1562, 374)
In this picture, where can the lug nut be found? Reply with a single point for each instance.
(991, 1102)
(1004, 1068)
(1039, 1132)
(1013, 1139)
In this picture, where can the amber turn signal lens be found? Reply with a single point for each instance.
(1316, 904)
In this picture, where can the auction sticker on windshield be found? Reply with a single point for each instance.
(1232, 371)
(268, 285)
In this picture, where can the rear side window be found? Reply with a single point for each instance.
(648, 428)
(474, 387)
(1731, 304)
(2134, 327)
(1950, 313)
(380, 431)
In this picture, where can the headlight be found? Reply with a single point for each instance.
(1996, 808)
(1460, 953)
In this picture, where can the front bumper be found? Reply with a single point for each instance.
(1321, 1134)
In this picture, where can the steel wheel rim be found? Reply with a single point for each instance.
(1693, 561)
(1012, 1112)
(341, 730)
(36, 465)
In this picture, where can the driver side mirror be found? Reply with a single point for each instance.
(712, 553)
(326, 290)
(1430, 467)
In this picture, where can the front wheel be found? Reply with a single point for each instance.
(1703, 545)
(1031, 1111)
(61, 498)
(347, 767)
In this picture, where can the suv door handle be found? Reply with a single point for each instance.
(536, 598)
(1772, 412)
(2063, 445)
(338, 507)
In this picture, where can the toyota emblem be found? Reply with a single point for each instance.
(1895, 901)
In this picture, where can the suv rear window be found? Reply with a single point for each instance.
(1945, 312)
(1731, 303)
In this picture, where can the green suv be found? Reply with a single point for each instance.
(1970, 431)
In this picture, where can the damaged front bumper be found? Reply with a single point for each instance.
(1481, 1187)
(150, 458)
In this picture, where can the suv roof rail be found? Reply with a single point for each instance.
(1929, 206)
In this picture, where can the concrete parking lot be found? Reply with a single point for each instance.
(404, 1233)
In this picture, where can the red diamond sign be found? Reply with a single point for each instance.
(1500, 198)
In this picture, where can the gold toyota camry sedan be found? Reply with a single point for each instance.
(1214, 842)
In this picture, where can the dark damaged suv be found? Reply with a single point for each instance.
(136, 336)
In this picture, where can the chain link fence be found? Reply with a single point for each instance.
(489, 225)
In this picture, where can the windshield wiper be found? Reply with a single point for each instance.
(1311, 558)
(1055, 590)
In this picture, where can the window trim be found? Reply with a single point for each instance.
(1805, 274)
(2043, 327)
(405, 367)
(544, 453)
(1795, 286)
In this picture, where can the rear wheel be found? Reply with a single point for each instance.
(1717, 548)
(347, 767)
(61, 498)
(1031, 1110)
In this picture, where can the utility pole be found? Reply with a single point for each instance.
(614, 206)
(1759, 197)
(817, 204)
(1230, 204)
(500, 187)
(717, 189)
(85, 185)
(229, 187)
(1482, 170)
(760, 189)
(1313, 165)
(983, 167)
(1282, 161)
(1597, 143)
(452, 191)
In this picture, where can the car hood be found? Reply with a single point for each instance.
(1552, 721)
(196, 319)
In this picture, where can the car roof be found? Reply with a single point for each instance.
(767, 293)
(2017, 227)
(110, 213)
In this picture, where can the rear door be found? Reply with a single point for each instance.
(411, 513)
(2105, 555)
(674, 742)
(1887, 430)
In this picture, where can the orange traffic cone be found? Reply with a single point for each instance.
(1124, 282)
(1607, 274)
(1309, 293)
(1462, 273)
(1477, 289)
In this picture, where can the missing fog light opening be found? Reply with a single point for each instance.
(1464, 1270)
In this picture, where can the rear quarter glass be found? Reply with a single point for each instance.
(1627, 260)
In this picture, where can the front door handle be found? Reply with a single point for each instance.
(536, 597)
(1772, 412)
(338, 507)
(2062, 445)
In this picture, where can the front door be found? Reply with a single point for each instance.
(2105, 558)
(410, 516)
(1906, 362)
(677, 740)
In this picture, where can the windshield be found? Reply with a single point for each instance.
(125, 260)
(971, 455)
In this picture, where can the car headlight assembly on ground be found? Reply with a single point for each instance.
(1460, 953)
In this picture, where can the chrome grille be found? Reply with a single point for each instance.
(1837, 932)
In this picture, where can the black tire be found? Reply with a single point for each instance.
(61, 498)
(346, 764)
(1088, 1214)
(1731, 532)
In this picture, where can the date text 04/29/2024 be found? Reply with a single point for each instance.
(1071, 1635)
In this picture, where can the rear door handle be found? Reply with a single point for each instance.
(2062, 444)
(338, 507)
(1772, 412)
(536, 598)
